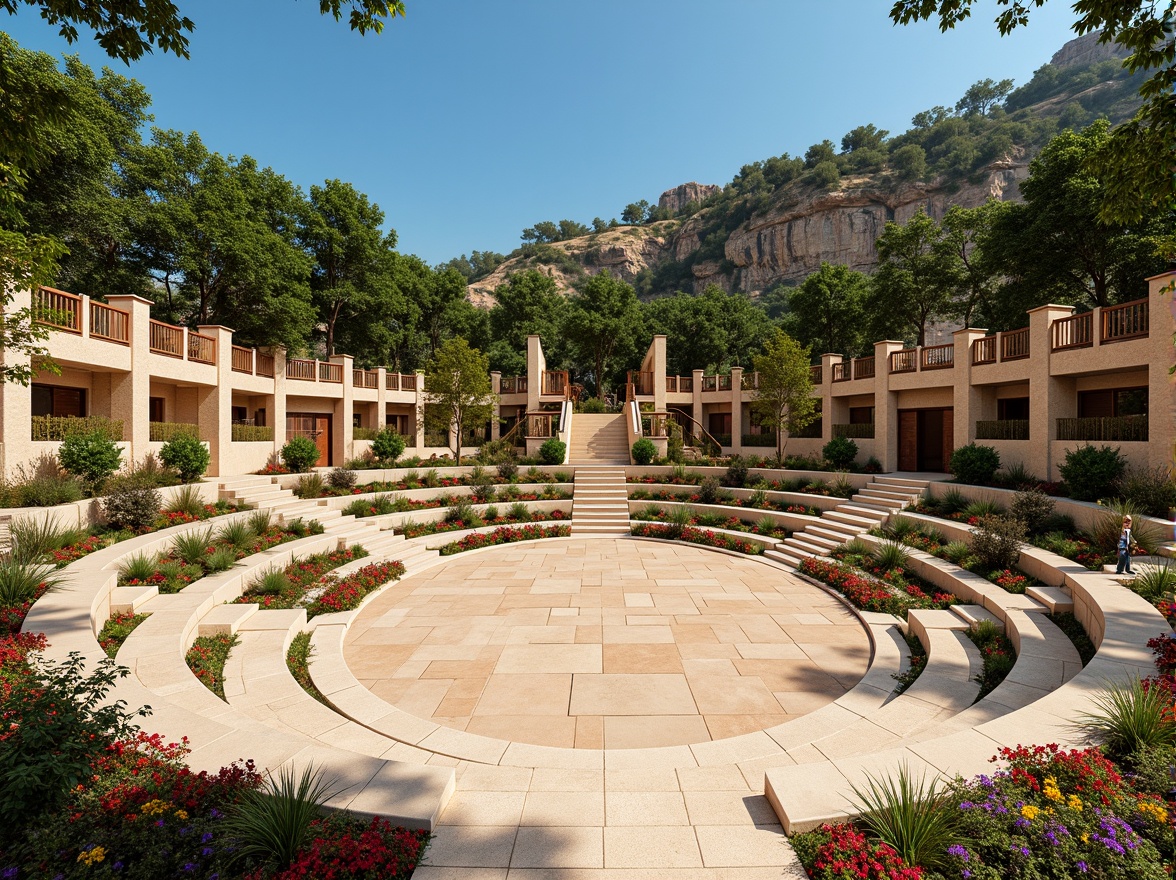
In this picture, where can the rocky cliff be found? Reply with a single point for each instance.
(682, 195)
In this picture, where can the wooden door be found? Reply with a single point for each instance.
(948, 437)
(315, 426)
(908, 440)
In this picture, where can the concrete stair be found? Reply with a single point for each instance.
(599, 439)
(600, 502)
(868, 508)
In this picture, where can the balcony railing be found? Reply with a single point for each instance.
(642, 382)
(750, 381)
(201, 348)
(161, 432)
(725, 382)
(1077, 331)
(1126, 321)
(56, 308)
(243, 433)
(680, 384)
(863, 368)
(904, 361)
(408, 382)
(330, 373)
(166, 339)
(302, 368)
(513, 385)
(815, 374)
(59, 427)
(555, 382)
(856, 431)
(242, 359)
(842, 372)
(1002, 429)
(655, 424)
(542, 425)
(265, 365)
(984, 350)
(365, 378)
(710, 383)
(1014, 345)
(937, 357)
(1122, 429)
(109, 323)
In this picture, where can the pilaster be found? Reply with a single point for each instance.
(736, 410)
(885, 406)
(1050, 397)
(215, 413)
(344, 440)
(130, 393)
(966, 397)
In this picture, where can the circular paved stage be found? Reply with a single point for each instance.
(606, 643)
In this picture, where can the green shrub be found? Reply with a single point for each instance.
(481, 485)
(975, 464)
(237, 534)
(910, 815)
(186, 454)
(190, 547)
(271, 824)
(890, 555)
(996, 542)
(1017, 476)
(496, 451)
(93, 456)
(951, 501)
(129, 503)
(1131, 717)
(1154, 582)
(736, 476)
(1092, 472)
(187, 500)
(300, 454)
(674, 442)
(593, 405)
(1152, 490)
(840, 452)
(220, 559)
(309, 486)
(388, 446)
(342, 478)
(982, 508)
(508, 470)
(1033, 508)
(138, 566)
(1104, 533)
(553, 451)
(33, 538)
(23, 582)
(708, 490)
(644, 451)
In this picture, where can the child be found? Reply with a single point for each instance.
(1125, 543)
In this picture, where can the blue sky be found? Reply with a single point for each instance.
(469, 120)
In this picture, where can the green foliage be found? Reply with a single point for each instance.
(130, 503)
(712, 329)
(1092, 472)
(378, 506)
(388, 446)
(67, 723)
(459, 390)
(238, 534)
(22, 582)
(272, 582)
(553, 451)
(93, 456)
(593, 405)
(784, 400)
(1130, 717)
(481, 485)
(1104, 532)
(138, 566)
(1154, 582)
(300, 454)
(191, 547)
(601, 324)
(309, 486)
(342, 478)
(736, 475)
(890, 555)
(273, 823)
(41, 483)
(708, 491)
(830, 310)
(220, 559)
(643, 451)
(975, 464)
(1151, 489)
(187, 500)
(32, 538)
(952, 501)
(508, 470)
(996, 542)
(1033, 508)
(911, 815)
(840, 452)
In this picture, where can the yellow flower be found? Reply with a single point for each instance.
(1050, 789)
(1029, 812)
(155, 808)
(1086, 838)
(1074, 803)
(181, 814)
(92, 856)
(1153, 811)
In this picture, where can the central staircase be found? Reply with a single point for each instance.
(599, 439)
(600, 503)
(865, 510)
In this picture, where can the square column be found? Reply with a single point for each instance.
(736, 410)
(966, 397)
(130, 393)
(215, 409)
(344, 442)
(536, 366)
(16, 401)
(1050, 398)
(885, 406)
(278, 418)
(825, 392)
(420, 405)
(1161, 404)
(496, 416)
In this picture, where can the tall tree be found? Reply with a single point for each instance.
(983, 96)
(602, 321)
(913, 284)
(784, 400)
(342, 231)
(962, 230)
(830, 310)
(1136, 162)
(527, 302)
(1055, 246)
(457, 383)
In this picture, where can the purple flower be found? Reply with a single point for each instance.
(189, 867)
(1022, 822)
(158, 823)
(956, 850)
(205, 837)
(214, 813)
(1083, 867)
(117, 866)
(207, 851)
(10, 873)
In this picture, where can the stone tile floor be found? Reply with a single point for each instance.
(606, 643)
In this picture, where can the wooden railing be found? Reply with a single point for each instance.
(642, 382)
(1014, 345)
(392, 381)
(1077, 331)
(1126, 321)
(751, 381)
(863, 368)
(725, 382)
(166, 339)
(904, 360)
(408, 382)
(937, 357)
(330, 372)
(655, 424)
(1115, 429)
(365, 378)
(242, 359)
(710, 383)
(109, 323)
(542, 424)
(842, 372)
(56, 308)
(555, 382)
(984, 350)
(265, 364)
(201, 348)
(301, 368)
(855, 430)
(1002, 429)
(513, 385)
(815, 374)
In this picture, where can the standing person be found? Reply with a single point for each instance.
(1125, 542)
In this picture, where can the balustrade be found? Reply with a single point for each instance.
(166, 339)
(109, 323)
(1126, 321)
(1077, 331)
(937, 357)
(904, 360)
(242, 359)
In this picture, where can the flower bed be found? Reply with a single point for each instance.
(385, 504)
(996, 650)
(116, 630)
(419, 530)
(342, 847)
(345, 594)
(206, 658)
(918, 663)
(432, 480)
(714, 521)
(504, 535)
(957, 553)
(842, 852)
(896, 592)
(723, 500)
(12, 616)
(298, 662)
(692, 535)
(288, 588)
(806, 487)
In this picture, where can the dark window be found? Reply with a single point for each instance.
(259, 417)
(720, 423)
(861, 415)
(1112, 402)
(155, 409)
(54, 400)
(356, 420)
(239, 414)
(1131, 402)
(1012, 408)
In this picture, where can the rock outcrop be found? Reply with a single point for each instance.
(682, 195)
(1087, 50)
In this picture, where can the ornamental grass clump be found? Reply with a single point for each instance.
(912, 815)
(21, 583)
(34, 538)
(889, 556)
(1131, 716)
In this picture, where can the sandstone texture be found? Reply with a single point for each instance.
(680, 196)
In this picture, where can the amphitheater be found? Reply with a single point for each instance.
(602, 705)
